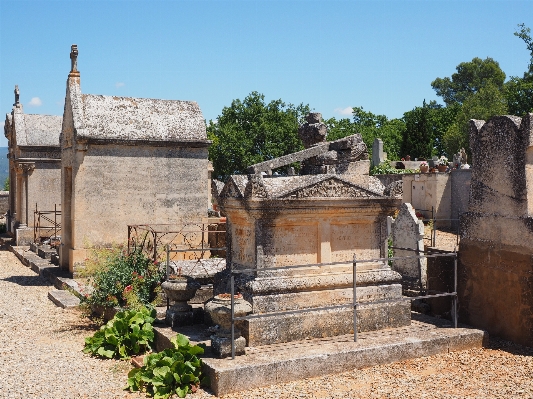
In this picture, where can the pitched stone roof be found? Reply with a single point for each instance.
(38, 130)
(141, 119)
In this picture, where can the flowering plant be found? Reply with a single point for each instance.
(442, 161)
(424, 163)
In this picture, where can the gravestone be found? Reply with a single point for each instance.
(408, 232)
(378, 156)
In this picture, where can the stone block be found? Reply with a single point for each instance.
(63, 299)
(221, 346)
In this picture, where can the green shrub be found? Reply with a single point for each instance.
(385, 168)
(175, 370)
(6, 184)
(129, 333)
(126, 280)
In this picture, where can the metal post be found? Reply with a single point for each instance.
(434, 227)
(455, 290)
(232, 317)
(354, 298)
(167, 270)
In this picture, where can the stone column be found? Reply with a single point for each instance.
(26, 169)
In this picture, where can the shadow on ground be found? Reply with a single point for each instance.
(28, 281)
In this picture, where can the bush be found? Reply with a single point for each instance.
(175, 370)
(129, 333)
(126, 280)
(385, 168)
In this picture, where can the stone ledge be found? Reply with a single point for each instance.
(274, 364)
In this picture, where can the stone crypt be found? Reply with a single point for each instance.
(319, 221)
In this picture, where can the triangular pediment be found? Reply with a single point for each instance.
(331, 187)
(234, 187)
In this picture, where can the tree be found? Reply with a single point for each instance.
(488, 102)
(468, 80)
(251, 131)
(372, 126)
(425, 127)
(519, 91)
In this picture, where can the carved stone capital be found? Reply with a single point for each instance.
(26, 167)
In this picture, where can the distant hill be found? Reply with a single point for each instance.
(4, 166)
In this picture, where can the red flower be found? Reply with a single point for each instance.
(128, 288)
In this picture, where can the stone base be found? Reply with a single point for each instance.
(179, 318)
(221, 346)
(325, 323)
(23, 236)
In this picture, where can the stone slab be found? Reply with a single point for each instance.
(63, 299)
(274, 364)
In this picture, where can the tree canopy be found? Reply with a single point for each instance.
(469, 79)
(251, 131)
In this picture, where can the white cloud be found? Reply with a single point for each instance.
(35, 102)
(343, 111)
(119, 84)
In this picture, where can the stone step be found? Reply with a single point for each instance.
(63, 299)
(278, 363)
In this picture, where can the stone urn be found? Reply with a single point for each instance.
(179, 291)
(219, 308)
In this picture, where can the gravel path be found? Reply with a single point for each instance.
(40, 357)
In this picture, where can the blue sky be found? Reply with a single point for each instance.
(332, 55)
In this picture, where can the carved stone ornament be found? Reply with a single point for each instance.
(74, 60)
(255, 187)
(395, 189)
(230, 191)
(26, 167)
(17, 96)
(331, 188)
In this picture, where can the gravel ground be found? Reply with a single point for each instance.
(40, 357)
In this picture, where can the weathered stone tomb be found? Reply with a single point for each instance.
(34, 168)
(127, 161)
(495, 253)
(318, 220)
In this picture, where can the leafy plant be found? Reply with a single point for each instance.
(6, 184)
(129, 333)
(125, 280)
(385, 168)
(174, 370)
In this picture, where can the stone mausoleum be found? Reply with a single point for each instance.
(318, 221)
(127, 161)
(34, 168)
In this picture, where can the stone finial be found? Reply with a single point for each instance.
(314, 131)
(74, 60)
(17, 96)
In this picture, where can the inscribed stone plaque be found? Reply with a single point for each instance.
(294, 245)
(358, 238)
(243, 245)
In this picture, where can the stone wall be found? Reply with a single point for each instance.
(120, 185)
(427, 190)
(4, 202)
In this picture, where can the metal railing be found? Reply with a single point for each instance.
(192, 241)
(47, 225)
(354, 305)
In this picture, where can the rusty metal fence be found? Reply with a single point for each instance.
(190, 241)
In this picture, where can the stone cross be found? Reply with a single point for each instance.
(17, 96)
(74, 58)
